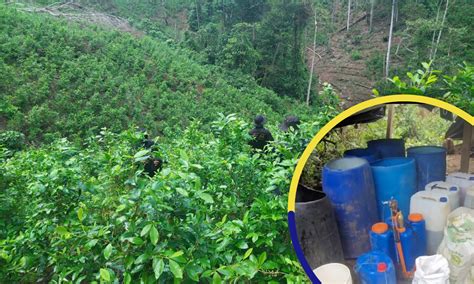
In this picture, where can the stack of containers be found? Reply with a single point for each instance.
(349, 185)
(435, 208)
(430, 164)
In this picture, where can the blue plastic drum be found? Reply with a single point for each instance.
(375, 267)
(349, 185)
(430, 164)
(394, 178)
(369, 154)
(388, 148)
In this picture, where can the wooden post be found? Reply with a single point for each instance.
(390, 121)
(466, 147)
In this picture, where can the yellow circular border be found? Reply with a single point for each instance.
(402, 98)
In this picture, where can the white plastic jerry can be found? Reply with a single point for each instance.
(469, 198)
(451, 190)
(463, 180)
(435, 208)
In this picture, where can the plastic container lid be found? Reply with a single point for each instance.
(381, 267)
(443, 199)
(453, 188)
(415, 217)
(379, 228)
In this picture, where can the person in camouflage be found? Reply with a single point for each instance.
(260, 135)
(152, 164)
(290, 122)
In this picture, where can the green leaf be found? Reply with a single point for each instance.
(80, 214)
(108, 251)
(105, 274)
(121, 208)
(175, 269)
(177, 254)
(136, 241)
(154, 235)
(248, 253)
(127, 279)
(182, 191)
(141, 153)
(262, 258)
(90, 244)
(242, 245)
(62, 230)
(216, 279)
(145, 230)
(206, 197)
(141, 259)
(193, 272)
(158, 267)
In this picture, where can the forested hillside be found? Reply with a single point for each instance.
(275, 42)
(60, 79)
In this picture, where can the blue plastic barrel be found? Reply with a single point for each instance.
(394, 178)
(349, 185)
(388, 148)
(430, 164)
(369, 154)
(381, 238)
(375, 267)
(417, 223)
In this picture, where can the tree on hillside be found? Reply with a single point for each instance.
(387, 59)
(348, 15)
(280, 42)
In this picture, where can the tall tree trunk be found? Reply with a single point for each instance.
(440, 30)
(434, 30)
(396, 12)
(198, 8)
(372, 2)
(348, 14)
(312, 60)
(387, 60)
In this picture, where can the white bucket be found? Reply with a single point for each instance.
(333, 273)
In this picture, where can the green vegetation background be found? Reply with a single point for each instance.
(76, 206)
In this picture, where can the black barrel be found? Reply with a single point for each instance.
(317, 228)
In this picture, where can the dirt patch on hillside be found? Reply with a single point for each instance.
(352, 61)
(79, 13)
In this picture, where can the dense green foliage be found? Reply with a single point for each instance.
(216, 213)
(58, 79)
(457, 89)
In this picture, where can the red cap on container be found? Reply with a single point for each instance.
(381, 267)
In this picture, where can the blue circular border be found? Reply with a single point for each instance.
(298, 250)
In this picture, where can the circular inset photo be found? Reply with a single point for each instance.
(385, 194)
